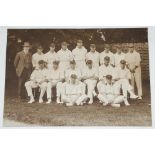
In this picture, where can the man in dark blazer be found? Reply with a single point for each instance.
(23, 65)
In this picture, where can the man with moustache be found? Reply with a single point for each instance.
(23, 66)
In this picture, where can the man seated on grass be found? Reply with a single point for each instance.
(73, 93)
(90, 77)
(38, 78)
(110, 93)
(55, 78)
(105, 69)
(74, 70)
(123, 76)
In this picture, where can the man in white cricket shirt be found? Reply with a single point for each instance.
(64, 56)
(90, 77)
(93, 55)
(108, 53)
(79, 54)
(118, 56)
(51, 56)
(55, 78)
(75, 70)
(133, 60)
(38, 79)
(110, 94)
(39, 55)
(104, 70)
(73, 94)
(123, 78)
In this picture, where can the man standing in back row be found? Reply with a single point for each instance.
(36, 57)
(64, 56)
(133, 60)
(51, 56)
(93, 55)
(108, 53)
(23, 65)
(79, 54)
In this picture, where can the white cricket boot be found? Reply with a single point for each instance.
(139, 98)
(90, 101)
(49, 101)
(126, 103)
(40, 100)
(132, 95)
(58, 100)
(31, 100)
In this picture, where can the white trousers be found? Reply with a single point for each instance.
(30, 84)
(99, 84)
(91, 84)
(136, 78)
(74, 99)
(111, 99)
(125, 85)
(50, 85)
(83, 87)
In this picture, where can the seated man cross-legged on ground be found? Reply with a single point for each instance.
(73, 93)
(110, 93)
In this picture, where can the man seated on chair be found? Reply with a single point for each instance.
(55, 78)
(73, 93)
(109, 93)
(123, 76)
(38, 78)
(90, 77)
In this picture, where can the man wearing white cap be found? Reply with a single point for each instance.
(110, 94)
(122, 79)
(73, 92)
(133, 60)
(51, 56)
(118, 56)
(55, 78)
(93, 55)
(64, 56)
(38, 79)
(90, 77)
(74, 70)
(36, 57)
(105, 69)
(108, 53)
(79, 54)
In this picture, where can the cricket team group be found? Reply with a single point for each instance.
(80, 75)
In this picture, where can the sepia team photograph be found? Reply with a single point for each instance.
(77, 77)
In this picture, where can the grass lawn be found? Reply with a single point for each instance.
(138, 114)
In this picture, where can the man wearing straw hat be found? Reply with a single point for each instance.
(23, 66)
